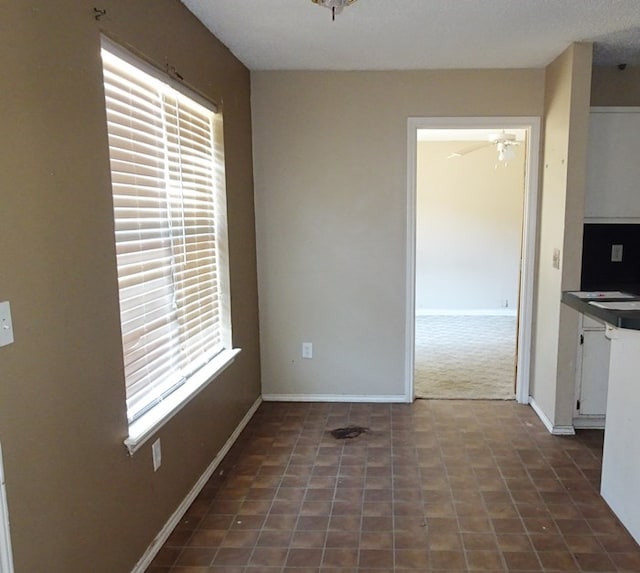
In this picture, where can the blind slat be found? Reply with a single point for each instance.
(167, 170)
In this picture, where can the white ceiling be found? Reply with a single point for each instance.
(420, 34)
(439, 134)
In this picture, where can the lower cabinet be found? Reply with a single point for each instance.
(592, 374)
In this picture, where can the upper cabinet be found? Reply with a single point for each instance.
(613, 167)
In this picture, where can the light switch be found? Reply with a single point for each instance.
(307, 350)
(6, 328)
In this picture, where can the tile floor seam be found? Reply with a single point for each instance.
(501, 440)
(520, 517)
(393, 489)
(268, 512)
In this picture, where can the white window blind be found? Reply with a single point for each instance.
(167, 170)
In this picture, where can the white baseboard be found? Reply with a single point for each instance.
(6, 557)
(589, 422)
(467, 312)
(385, 398)
(555, 430)
(177, 515)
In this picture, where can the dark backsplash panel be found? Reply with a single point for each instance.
(598, 271)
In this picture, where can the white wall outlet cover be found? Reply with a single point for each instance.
(6, 326)
(156, 454)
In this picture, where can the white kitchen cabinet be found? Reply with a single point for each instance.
(621, 451)
(613, 168)
(592, 374)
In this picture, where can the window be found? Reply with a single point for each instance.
(167, 172)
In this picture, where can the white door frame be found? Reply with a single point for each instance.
(529, 226)
(6, 561)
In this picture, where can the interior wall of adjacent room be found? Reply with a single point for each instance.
(330, 163)
(468, 227)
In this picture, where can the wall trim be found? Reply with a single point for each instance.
(6, 559)
(589, 422)
(177, 515)
(555, 430)
(614, 220)
(614, 109)
(532, 125)
(383, 398)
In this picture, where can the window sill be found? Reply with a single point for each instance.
(145, 427)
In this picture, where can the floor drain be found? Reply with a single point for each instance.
(349, 432)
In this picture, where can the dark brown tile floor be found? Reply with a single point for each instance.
(437, 486)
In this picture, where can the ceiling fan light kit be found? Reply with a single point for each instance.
(336, 6)
(506, 151)
(503, 142)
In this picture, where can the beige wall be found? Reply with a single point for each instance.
(613, 87)
(469, 227)
(77, 501)
(561, 217)
(330, 161)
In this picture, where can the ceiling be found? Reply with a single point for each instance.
(420, 34)
(460, 134)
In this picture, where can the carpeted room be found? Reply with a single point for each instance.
(469, 227)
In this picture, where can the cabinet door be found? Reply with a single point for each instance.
(595, 374)
(613, 169)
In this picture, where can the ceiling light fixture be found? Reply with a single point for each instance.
(506, 152)
(336, 6)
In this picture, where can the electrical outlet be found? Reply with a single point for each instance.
(156, 454)
(6, 328)
(307, 350)
(556, 258)
(616, 253)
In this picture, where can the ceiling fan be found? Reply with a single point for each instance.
(503, 141)
(336, 6)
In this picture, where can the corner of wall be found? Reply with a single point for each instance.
(567, 95)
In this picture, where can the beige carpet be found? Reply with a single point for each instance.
(468, 357)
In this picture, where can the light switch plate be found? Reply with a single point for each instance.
(6, 327)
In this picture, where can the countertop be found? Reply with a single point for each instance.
(587, 302)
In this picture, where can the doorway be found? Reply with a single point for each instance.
(462, 286)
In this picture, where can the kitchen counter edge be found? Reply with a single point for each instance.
(629, 319)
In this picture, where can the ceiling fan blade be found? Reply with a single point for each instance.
(469, 149)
